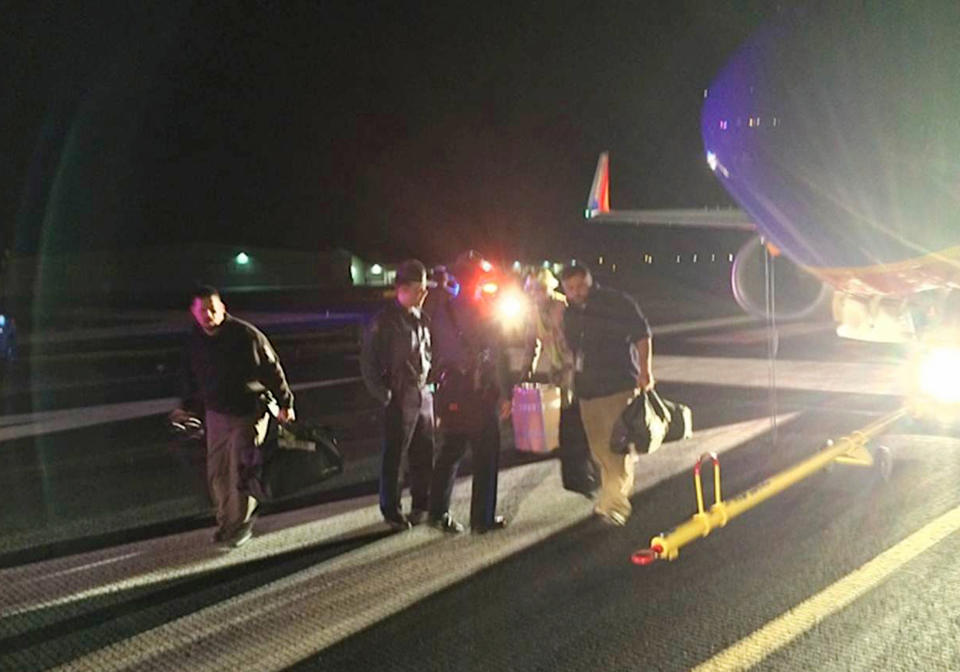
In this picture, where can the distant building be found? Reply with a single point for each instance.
(163, 270)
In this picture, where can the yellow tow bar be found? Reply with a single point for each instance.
(850, 449)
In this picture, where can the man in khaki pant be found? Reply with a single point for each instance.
(613, 356)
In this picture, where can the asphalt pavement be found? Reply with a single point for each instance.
(844, 571)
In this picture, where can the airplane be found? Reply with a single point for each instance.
(834, 130)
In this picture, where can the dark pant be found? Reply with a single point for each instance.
(408, 429)
(577, 468)
(233, 466)
(485, 451)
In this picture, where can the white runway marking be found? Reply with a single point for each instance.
(762, 334)
(47, 422)
(815, 376)
(781, 631)
(286, 621)
(697, 325)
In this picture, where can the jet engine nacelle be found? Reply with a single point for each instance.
(795, 294)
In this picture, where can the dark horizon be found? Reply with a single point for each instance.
(309, 126)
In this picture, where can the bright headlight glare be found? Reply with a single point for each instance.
(939, 375)
(511, 309)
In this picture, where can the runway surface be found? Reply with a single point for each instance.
(842, 572)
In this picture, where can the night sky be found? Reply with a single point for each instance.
(386, 128)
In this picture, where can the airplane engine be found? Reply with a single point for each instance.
(835, 130)
(796, 294)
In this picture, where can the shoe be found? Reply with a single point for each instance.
(243, 535)
(499, 522)
(417, 517)
(398, 522)
(220, 536)
(446, 523)
(613, 518)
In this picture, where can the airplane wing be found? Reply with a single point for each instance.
(598, 209)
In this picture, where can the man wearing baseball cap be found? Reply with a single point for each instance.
(395, 363)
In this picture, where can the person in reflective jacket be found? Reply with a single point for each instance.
(395, 363)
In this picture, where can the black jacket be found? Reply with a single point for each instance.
(601, 336)
(467, 339)
(396, 352)
(228, 371)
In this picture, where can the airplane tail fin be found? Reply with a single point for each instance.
(598, 201)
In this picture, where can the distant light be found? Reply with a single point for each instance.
(694, 258)
(614, 268)
(600, 261)
(486, 266)
(712, 160)
(376, 269)
(517, 265)
(3, 320)
(489, 288)
(242, 259)
(678, 258)
(729, 257)
(546, 264)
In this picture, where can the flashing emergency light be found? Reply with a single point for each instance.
(489, 288)
(939, 373)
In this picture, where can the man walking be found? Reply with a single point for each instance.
(232, 373)
(613, 356)
(395, 363)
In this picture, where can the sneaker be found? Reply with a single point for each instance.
(243, 535)
(417, 517)
(613, 518)
(398, 522)
(446, 523)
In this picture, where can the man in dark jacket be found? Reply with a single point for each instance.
(613, 354)
(395, 363)
(473, 397)
(231, 374)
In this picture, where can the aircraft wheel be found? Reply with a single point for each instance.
(831, 466)
(883, 461)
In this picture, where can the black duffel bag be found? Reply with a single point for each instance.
(649, 421)
(301, 457)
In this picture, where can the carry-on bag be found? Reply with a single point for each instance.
(536, 417)
(299, 460)
(648, 421)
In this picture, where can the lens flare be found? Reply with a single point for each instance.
(939, 373)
